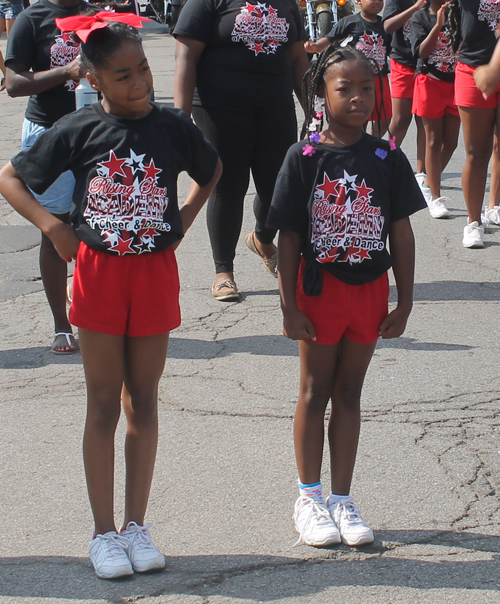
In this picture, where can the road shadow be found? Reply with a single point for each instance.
(446, 291)
(270, 578)
(38, 356)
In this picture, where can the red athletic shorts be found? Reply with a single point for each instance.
(433, 98)
(134, 295)
(383, 105)
(402, 80)
(353, 311)
(467, 94)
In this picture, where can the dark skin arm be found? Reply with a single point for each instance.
(20, 81)
(398, 21)
(429, 44)
(402, 246)
(296, 325)
(196, 198)
(487, 77)
(22, 200)
(187, 56)
(300, 64)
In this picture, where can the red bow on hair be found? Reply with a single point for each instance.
(82, 25)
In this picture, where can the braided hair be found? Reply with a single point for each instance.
(313, 84)
(455, 19)
(102, 43)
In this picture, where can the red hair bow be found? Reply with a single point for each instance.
(82, 25)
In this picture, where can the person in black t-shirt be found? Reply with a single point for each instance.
(366, 32)
(338, 196)
(473, 26)
(43, 63)
(396, 20)
(434, 99)
(126, 154)
(244, 59)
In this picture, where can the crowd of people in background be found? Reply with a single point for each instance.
(101, 185)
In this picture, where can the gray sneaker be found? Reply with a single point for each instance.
(143, 553)
(108, 554)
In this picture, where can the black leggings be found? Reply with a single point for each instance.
(245, 140)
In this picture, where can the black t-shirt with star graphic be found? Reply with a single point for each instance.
(359, 191)
(442, 60)
(479, 21)
(246, 62)
(37, 42)
(400, 41)
(126, 174)
(369, 38)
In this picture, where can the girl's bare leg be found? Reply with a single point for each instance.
(345, 418)
(494, 199)
(401, 119)
(478, 126)
(144, 364)
(434, 139)
(451, 129)
(380, 130)
(420, 145)
(317, 369)
(104, 363)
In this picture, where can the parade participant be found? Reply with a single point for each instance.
(9, 9)
(245, 59)
(433, 100)
(396, 20)
(338, 196)
(125, 154)
(43, 63)
(366, 32)
(473, 24)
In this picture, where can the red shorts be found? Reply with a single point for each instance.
(353, 311)
(433, 98)
(135, 295)
(383, 105)
(467, 94)
(402, 80)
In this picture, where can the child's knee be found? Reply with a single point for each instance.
(143, 408)
(103, 415)
(315, 397)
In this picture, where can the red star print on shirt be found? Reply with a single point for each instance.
(123, 246)
(114, 165)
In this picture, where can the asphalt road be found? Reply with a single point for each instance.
(225, 482)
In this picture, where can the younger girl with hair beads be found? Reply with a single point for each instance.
(338, 196)
(126, 153)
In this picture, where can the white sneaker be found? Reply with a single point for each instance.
(314, 523)
(108, 554)
(426, 192)
(491, 216)
(438, 209)
(143, 553)
(352, 527)
(420, 177)
(473, 235)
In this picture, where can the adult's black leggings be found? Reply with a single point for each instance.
(255, 141)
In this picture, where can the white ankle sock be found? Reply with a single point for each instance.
(335, 498)
(314, 491)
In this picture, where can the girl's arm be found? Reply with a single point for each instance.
(196, 198)
(394, 23)
(300, 64)
(296, 325)
(21, 199)
(317, 46)
(402, 245)
(187, 57)
(429, 44)
(487, 77)
(21, 81)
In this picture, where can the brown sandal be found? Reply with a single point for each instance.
(271, 264)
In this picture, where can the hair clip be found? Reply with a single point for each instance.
(308, 150)
(382, 153)
(346, 41)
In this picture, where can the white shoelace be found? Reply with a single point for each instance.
(319, 511)
(115, 544)
(140, 537)
(350, 511)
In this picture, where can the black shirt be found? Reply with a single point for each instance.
(442, 60)
(369, 38)
(37, 42)
(126, 174)
(246, 62)
(358, 192)
(480, 19)
(400, 41)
